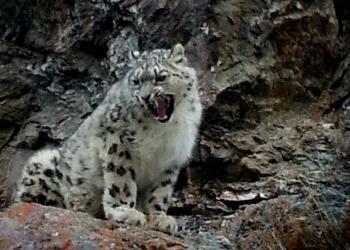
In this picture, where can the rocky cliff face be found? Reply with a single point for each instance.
(271, 169)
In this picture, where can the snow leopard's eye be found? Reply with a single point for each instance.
(161, 78)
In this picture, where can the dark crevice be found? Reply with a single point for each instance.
(342, 9)
(12, 135)
(16, 95)
(181, 211)
(70, 3)
(338, 104)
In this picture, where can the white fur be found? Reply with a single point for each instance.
(45, 157)
(167, 145)
(164, 223)
(126, 215)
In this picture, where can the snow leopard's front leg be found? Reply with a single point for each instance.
(120, 190)
(159, 201)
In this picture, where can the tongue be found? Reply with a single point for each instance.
(161, 109)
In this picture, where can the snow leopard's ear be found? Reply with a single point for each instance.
(177, 53)
(133, 56)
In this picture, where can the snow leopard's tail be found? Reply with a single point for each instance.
(40, 179)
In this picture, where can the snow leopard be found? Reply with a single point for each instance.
(124, 159)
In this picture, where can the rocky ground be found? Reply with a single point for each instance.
(271, 170)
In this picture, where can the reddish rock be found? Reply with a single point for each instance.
(39, 227)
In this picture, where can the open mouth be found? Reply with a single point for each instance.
(162, 107)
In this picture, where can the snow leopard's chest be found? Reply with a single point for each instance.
(162, 147)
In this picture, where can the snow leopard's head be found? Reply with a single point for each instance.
(160, 79)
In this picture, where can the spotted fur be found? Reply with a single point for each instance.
(121, 160)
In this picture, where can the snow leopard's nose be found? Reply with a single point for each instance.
(148, 76)
(156, 91)
(146, 98)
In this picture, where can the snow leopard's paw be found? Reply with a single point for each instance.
(127, 215)
(163, 223)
